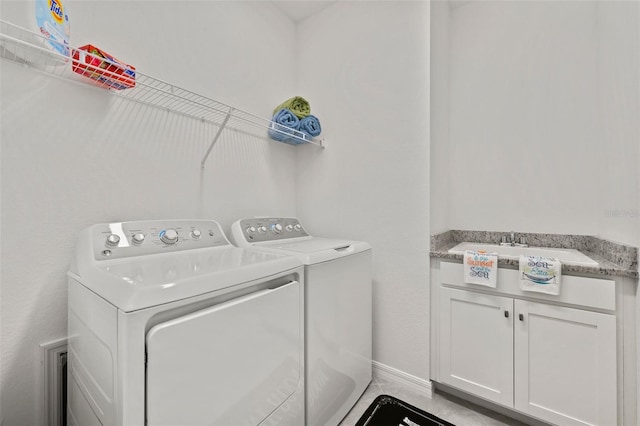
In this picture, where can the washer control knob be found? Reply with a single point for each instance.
(137, 238)
(288, 228)
(262, 229)
(169, 236)
(113, 240)
(276, 228)
(251, 230)
(196, 234)
(297, 227)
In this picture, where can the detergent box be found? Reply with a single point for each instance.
(98, 65)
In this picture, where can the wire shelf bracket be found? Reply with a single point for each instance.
(215, 138)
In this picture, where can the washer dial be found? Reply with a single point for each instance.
(113, 240)
(138, 238)
(169, 236)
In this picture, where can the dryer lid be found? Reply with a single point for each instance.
(309, 245)
(311, 250)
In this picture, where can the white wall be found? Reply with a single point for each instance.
(524, 117)
(543, 119)
(618, 29)
(439, 164)
(365, 68)
(73, 156)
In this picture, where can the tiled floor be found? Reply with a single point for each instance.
(449, 408)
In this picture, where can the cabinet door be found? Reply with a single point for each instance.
(565, 364)
(476, 344)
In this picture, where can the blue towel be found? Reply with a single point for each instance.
(284, 124)
(310, 125)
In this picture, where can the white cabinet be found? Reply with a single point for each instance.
(565, 364)
(476, 344)
(553, 362)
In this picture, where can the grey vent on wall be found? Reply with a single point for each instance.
(62, 403)
(54, 362)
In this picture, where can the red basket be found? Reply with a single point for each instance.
(98, 65)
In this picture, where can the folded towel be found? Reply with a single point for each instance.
(286, 117)
(283, 125)
(540, 274)
(298, 105)
(310, 125)
(481, 268)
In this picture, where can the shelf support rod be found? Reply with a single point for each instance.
(215, 138)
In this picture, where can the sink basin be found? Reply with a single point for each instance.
(568, 256)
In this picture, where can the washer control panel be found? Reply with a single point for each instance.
(136, 238)
(262, 229)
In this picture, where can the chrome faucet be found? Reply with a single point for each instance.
(511, 240)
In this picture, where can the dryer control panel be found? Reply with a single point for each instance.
(136, 238)
(263, 229)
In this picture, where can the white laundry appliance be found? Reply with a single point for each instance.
(170, 324)
(338, 286)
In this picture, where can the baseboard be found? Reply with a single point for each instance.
(385, 372)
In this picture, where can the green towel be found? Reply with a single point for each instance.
(297, 105)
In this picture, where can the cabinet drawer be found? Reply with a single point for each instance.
(589, 292)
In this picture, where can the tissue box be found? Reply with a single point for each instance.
(98, 65)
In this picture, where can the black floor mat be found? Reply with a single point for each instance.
(386, 410)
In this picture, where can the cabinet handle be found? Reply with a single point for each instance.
(521, 317)
(506, 314)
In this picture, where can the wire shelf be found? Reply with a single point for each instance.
(28, 48)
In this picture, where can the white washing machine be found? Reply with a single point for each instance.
(338, 288)
(170, 324)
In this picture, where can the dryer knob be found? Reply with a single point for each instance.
(113, 240)
(276, 228)
(169, 236)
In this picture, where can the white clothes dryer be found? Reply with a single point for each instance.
(170, 324)
(338, 287)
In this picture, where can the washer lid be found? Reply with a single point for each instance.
(134, 275)
(145, 281)
(311, 250)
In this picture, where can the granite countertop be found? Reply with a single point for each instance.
(613, 258)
